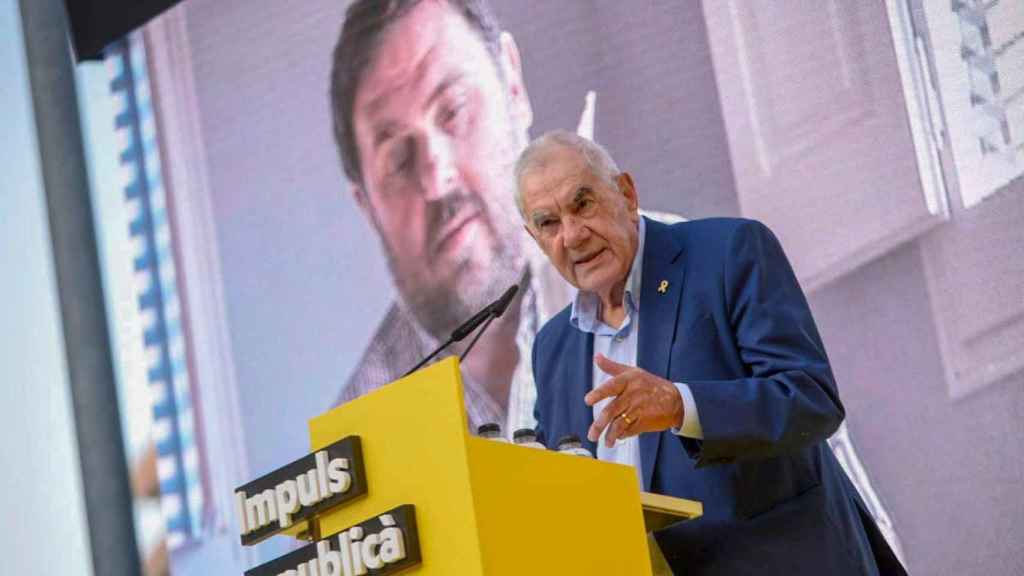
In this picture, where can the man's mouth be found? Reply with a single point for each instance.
(588, 258)
(450, 236)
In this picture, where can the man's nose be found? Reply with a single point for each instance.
(437, 172)
(574, 231)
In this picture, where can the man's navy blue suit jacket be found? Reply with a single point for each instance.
(735, 326)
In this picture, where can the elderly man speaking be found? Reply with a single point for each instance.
(690, 353)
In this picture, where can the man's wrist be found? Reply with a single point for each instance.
(689, 426)
(680, 414)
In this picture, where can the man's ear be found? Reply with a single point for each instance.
(530, 232)
(628, 190)
(513, 69)
(364, 202)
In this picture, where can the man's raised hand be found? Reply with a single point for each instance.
(642, 402)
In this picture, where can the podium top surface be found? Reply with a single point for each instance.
(661, 511)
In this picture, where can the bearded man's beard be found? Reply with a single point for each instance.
(441, 307)
(442, 304)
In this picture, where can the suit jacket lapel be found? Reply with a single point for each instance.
(661, 294)
(578, 379)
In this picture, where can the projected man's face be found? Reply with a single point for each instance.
(438, 129)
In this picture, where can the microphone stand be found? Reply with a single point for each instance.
(485, 317)
(430, 356)
(479, 333)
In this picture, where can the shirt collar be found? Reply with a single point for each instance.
(585, 305)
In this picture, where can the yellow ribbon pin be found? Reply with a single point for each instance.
(663, 287)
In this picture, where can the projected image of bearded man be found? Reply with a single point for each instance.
(430, 113)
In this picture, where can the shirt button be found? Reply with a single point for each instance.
(620, 338)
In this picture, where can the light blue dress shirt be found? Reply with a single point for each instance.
(620, 345)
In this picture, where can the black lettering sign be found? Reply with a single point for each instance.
(385, 544)
(307, 486)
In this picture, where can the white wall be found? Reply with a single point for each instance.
(40, 486)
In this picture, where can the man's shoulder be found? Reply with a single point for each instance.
(712, 239)
(394, 347)
(718, 228)
(553, 338)
(555, 326)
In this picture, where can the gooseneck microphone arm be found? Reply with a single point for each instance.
(499, 307)
(486, 316)
(429, 357)
(477, 337)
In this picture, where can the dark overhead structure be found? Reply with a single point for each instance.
(95, 24)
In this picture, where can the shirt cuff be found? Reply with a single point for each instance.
(691, 419)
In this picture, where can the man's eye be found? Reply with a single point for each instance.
(399, 159)
(452, 114)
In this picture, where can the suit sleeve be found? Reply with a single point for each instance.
(789, 399)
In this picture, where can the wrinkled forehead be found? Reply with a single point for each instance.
(553, 178)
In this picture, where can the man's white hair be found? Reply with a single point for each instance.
(536, 156)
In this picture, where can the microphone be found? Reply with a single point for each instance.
(487, 315)
(498, 308)
(493, 310)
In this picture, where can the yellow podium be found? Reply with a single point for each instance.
(484, 507)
